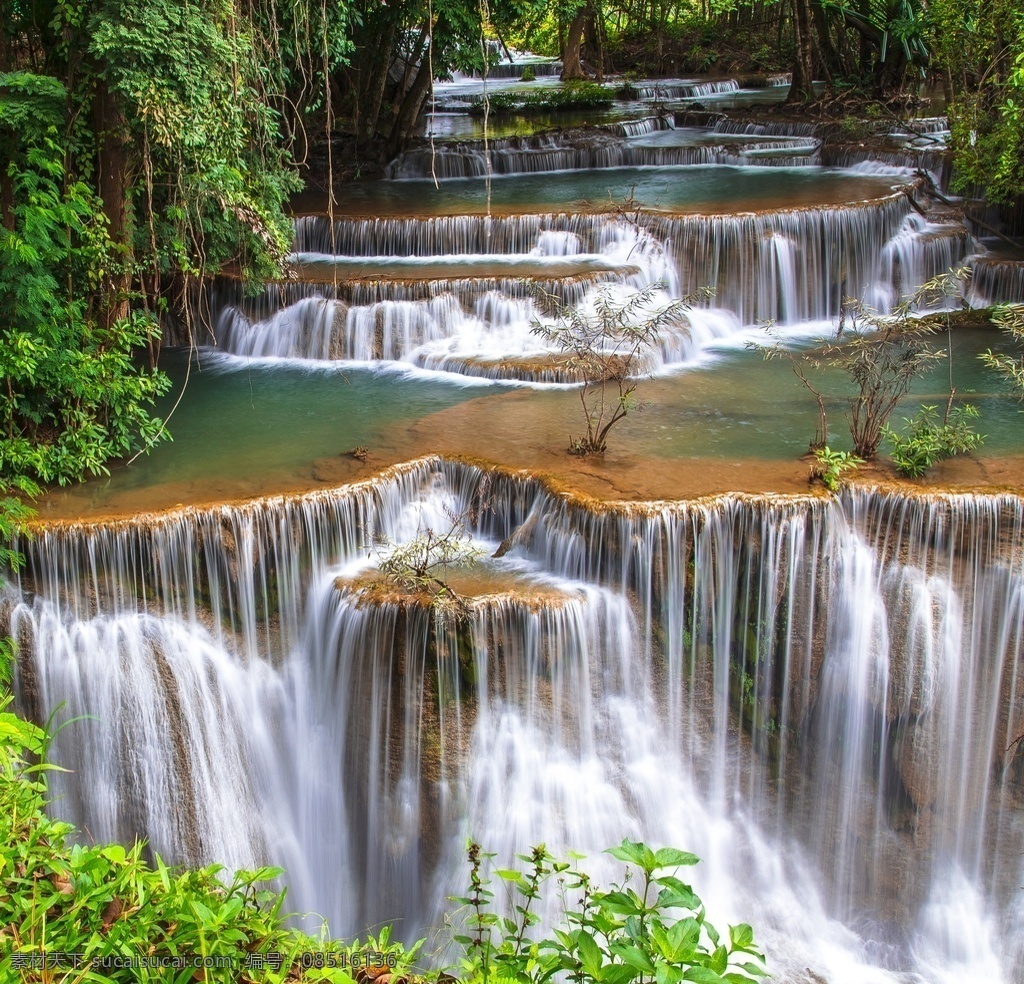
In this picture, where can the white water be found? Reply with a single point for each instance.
(813, 696)
(788, 267)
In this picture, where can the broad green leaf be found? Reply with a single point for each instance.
(741, 936)
(634, 852)
(590, 954)
(702, 975)
(670, 857)
(634, 956)
(667, 974)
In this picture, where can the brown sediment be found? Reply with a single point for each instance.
(867, 192)
(474, 584)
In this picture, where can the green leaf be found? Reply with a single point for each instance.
(667, 974)
(741, 936)
(636, 853)
(590, 954)
(634, 956)
(670, 857)
(702, 975)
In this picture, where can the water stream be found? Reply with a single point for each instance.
(813, 696)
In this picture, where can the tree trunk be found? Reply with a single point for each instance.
(409, 111)
(113, 174)
(572, 67)
(593, 37)
(373, 94)
(831, 59)
(6, 200)
(802, 90)
(866, 49)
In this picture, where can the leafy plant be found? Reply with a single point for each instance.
(424, 564)
(931, 439)
(656, 932)
(1010, 318)
(829, 466)
(605, 350)
(882, 356)
(574, 94)
(100, 914)
(73, 396)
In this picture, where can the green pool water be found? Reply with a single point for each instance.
(245, 427)
(692, 188)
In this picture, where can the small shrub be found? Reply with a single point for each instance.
(606, 349)
(1009, 318)
(529, 75)
(577, 94)
(424, 564)
(829, 466)
(654, 932)
(930, 440)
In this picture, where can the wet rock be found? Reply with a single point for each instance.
(915, 761)
(522, 536)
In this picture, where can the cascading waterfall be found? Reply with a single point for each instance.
(684, 89)
(814, 695)
(761, 265)
(841, 248)
(919, 252)
(546, 152)
(996, 281)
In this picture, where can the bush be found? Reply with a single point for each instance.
(657, 933)
(930, 441)
(607, 347)
(572, 95)
(98, 914)
(829, 466)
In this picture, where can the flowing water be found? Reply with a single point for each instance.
(814, 695)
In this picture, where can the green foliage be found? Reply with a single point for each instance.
(571, 95)
(829, 466)
(1010, 318)
(72, 396)
(529, 75)
(656, 932)
(979, 46)
(882, 357)
(14, 515)
(189, 83)
(112, 909)
(930, 440)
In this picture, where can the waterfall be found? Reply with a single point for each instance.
(546, 152)
(814, 695)
(841, 247)
(684, 89)
(761, 265)
(996, 281)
